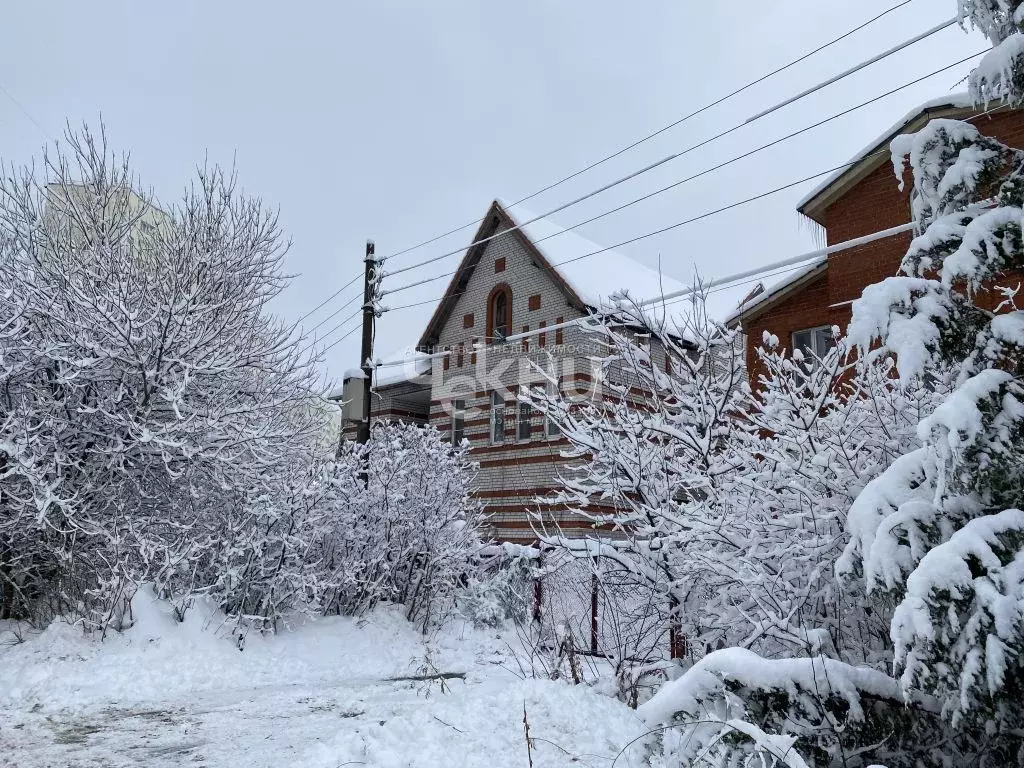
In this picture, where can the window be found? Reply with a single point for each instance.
(458, 421)
(558, 331)
(814, 342)
(524, 429)
(497, 418)
(551, 429)
(499, 313)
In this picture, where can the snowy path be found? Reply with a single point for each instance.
(319, 697)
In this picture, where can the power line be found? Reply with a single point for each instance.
(25, 112)
(335, 313)
(705, 215)
(329, 298)
(852, 70)
(652, 166)
(335, 343)
(673, 185)
(671, 125)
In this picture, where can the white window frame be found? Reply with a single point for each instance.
(458, 415)
(497, 418)
(821, 340)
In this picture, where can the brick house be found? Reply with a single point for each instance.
(859, 201)
(469, 364)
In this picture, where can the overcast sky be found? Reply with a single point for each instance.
(400, 120)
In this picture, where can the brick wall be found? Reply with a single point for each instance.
(873, 204)
(512, 473)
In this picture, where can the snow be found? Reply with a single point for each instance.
(688, 695)
(960, 100)
(1009, 328)
(959, 421)
(771, 291)
(902, 482)
(319, 694)
(903, 311)
(596, 277)
(993, 78)
(984, 241)
(609, 273)
(970, 571)
(402, 366)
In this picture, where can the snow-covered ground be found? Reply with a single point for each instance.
(326, 694)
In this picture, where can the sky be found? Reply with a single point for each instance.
(398, 121)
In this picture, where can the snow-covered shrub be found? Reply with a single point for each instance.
(731, 502)
(503, 593)
(153, 415)
(411, 536)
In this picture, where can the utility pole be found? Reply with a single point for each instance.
(370, 279)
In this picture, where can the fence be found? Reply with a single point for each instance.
(606, 609)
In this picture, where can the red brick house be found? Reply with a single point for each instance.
(858, 201)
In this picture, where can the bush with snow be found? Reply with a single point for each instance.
(410, 535)
(158, 424)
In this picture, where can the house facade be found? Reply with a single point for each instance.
(505, 323)
(861, 200)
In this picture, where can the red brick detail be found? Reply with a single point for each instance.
(468, 320)
(499, 265)
(535, 302)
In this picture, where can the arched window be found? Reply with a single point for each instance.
(499, 313)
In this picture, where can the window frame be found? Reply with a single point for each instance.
(817, 332)
(458, 421)
(524, 418)
(501, 290)
(551, 430)
(497, 425)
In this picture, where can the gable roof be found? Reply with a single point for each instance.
(585, 272)
(814, 204)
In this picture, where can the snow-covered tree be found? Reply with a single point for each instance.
(148, 399)
(936, 541)
(411, 535)
(650, 444)
(941, 531)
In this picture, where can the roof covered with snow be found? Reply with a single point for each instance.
(402, 366)
(862, 161)
(593, 271)
(777, 289)
(589, 274)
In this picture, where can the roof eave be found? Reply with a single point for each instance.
(780, 293)
(815, 206)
